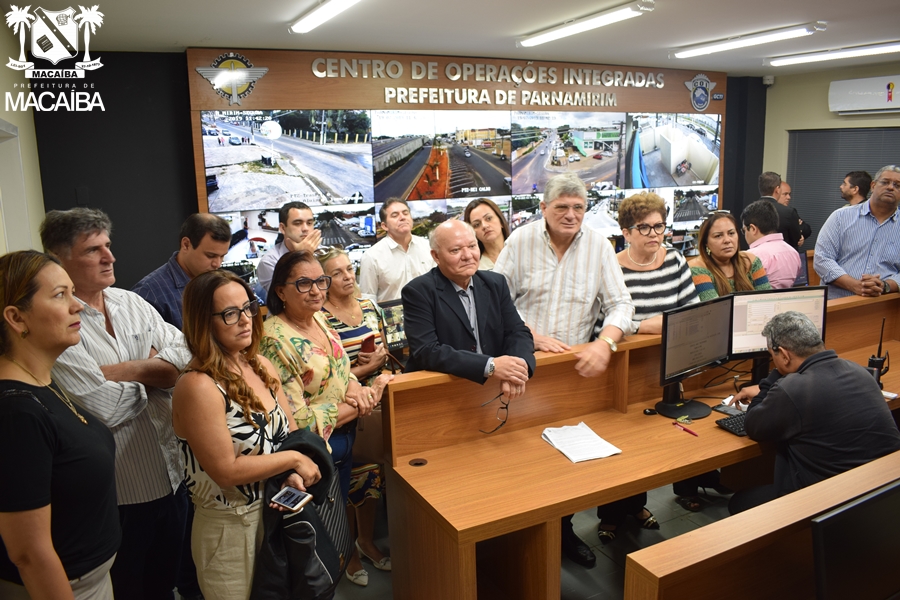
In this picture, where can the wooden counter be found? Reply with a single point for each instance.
(511, 487)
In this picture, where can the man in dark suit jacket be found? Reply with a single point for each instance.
(439, 314)
(788, 219)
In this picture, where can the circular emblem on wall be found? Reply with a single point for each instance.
(232, 76)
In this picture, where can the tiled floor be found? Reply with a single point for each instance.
(607, 579)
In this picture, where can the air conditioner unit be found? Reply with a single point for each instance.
(871, 96)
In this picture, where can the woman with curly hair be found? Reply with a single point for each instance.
(230, 415)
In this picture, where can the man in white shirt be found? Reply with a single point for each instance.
(297, 224)
(123, 371)
(397, 259)
(760, 226)
(561, 276)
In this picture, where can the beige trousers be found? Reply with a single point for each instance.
(224, 544)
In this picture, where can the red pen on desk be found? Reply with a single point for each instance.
(683, 428)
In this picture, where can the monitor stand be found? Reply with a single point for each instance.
(760, 370)
(674, 406)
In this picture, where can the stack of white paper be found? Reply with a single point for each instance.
(579, 442)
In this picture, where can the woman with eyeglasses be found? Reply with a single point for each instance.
(325, 396)
(490, 227)
(658, 279)
(721, 267)
(59, 525)
(230, 414)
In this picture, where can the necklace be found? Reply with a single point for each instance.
(314, 335)
(653, 260)
(352, 318)
(64, 398)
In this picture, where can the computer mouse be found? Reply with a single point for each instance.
(649, 411)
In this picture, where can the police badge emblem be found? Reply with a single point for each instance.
(700, 87)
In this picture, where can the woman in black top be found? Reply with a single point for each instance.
(55, 457)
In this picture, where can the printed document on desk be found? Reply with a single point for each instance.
(579, 442)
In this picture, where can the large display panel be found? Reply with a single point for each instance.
(343, 132)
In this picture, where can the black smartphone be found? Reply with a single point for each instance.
(291, 498)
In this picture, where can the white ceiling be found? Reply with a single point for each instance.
(489, 28)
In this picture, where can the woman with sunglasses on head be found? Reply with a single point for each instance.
(230, 414)
(490, 227)
(721, 267)
(59, 523)
(356, 319)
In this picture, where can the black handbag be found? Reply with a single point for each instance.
(304, 554)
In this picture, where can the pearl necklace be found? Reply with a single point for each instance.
(64, 398)
(653, 260)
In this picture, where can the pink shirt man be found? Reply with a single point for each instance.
(782, 263)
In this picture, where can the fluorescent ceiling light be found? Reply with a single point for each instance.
(765, 37)
(607, 17)
(871, 50)
(323, 12)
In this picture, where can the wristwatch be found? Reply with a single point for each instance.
(490, 368)
(887, 287)
(612, 344)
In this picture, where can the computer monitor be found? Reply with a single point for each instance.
(694, 338)
(752, 310)
(855, 547)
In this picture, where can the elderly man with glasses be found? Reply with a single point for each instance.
(858, 249)
(123, 371)
(561, 275)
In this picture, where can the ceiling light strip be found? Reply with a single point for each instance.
(837, 54)
(322, 13)
(607, 17)
(755, 39)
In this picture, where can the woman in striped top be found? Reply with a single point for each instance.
(657, 279)
(721, 268)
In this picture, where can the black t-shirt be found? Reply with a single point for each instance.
(48, 456)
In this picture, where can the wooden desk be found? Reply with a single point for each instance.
(765, 552)
(512, 487)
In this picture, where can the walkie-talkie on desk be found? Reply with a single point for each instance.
(878, 364)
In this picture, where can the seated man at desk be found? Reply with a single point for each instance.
(826, 413)
(561, 276)
(462, 321)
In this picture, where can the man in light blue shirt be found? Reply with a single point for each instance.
(858, 249)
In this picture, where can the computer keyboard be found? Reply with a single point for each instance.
(733, 424)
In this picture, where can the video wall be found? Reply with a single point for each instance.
(345, 162)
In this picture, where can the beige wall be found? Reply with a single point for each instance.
(33, 200)
(801, 102)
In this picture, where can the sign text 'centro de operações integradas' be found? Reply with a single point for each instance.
(489, 73)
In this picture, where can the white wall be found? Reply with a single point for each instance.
(801, 102)
(20, 188)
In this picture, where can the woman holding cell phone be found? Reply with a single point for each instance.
(230, 415)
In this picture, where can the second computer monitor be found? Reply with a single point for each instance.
(752, 310)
